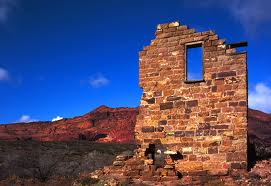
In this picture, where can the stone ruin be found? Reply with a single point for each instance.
(205, 121)
(189, 130)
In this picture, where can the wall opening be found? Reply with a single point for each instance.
(150, 152)
(194, 62)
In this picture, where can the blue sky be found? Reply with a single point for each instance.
(66, 57)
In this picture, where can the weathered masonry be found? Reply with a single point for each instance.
(192, 126)
(189, 130)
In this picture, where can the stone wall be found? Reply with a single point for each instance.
(203, 123)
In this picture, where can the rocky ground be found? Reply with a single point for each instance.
(120, 173)
(54, 163)
(79, 163)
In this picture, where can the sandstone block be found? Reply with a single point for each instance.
(118, 163)
(239, 165)
(121, 158)
(173, 24)
(189, 166)
(162, 122)
(218, 172)
(213, 150)
(150, 101)
(173, 98)
(187, 150)
(179, 133)
(236, 156)
(167, 105)
(148, 162)
(147, 129)
(192, 103)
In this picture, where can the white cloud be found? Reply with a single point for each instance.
(251, 14)
(4, 75)
(57, 118)
(260, 97)
(6, 7)
(26, 119)
(98, 80)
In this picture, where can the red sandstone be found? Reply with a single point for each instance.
(103, 124)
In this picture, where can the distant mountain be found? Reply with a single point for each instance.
(103, 124)
(259, 136)
(106, 124)
(259, 125)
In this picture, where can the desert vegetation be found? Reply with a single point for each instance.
(42, 162)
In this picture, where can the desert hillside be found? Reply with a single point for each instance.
(103, 124)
